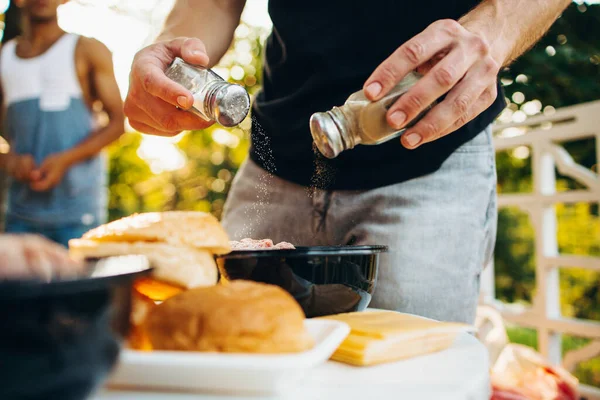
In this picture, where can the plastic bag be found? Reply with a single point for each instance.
(520, 373)
(491, 331)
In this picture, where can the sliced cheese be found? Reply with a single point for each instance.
(385, 336)
(155, 289)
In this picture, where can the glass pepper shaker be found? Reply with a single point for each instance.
(214, 98)
(360, 121)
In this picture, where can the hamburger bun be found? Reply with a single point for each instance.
(190, 228)
(239, 317)
(180, 246)
(182, 266)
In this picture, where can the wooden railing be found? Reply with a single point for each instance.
(543, 136)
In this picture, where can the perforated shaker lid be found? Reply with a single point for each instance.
(232, 105)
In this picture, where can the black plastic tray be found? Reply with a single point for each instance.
(323, 279)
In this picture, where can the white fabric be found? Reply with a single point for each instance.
(51, 76)
(459, 373)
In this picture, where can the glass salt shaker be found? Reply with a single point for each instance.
(214, 98)
(360, 121)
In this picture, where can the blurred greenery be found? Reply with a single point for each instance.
(194, 170)
(141, 177)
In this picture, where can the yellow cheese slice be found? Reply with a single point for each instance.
(384, 336)
(387, 324)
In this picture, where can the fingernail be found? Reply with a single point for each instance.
(413, 139)
(182, 101)
(373, 89)
(198, 53)
(397, 119)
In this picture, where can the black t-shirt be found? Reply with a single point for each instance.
(318, 54)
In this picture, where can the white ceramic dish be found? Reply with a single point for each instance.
(232, 373)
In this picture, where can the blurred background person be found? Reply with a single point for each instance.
(51, 81)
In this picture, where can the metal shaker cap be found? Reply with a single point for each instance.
(231, 105)
(326, 134)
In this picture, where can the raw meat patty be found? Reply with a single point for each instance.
(260, 244)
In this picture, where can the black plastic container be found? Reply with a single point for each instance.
(324, 280)
(59, 340)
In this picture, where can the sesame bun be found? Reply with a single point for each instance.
(237, 317)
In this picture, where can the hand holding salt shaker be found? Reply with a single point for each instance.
(214, 98)
(359, 121)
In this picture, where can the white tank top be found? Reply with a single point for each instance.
(46, 114)
(50, 77)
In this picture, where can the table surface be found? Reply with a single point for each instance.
(458, 373)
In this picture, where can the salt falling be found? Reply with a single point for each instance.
(262, 147)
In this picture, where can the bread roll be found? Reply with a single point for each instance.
(191, 228)
(239, 317)
(180, 265)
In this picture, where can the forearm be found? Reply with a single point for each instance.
(511, 27)
(212, 21)
(4, 160)
(95, 142)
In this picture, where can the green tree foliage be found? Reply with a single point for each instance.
(207, 159)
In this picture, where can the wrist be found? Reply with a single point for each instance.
(487, 23)
(5, 159)
(69, 157)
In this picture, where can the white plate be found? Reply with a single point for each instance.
(238, 373)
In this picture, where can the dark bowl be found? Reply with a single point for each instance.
(60, 339)
(324, 280)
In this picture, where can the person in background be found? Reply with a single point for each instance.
(430, 196)
(51, 81)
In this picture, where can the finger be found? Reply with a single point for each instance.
(63, 264)
(143, 128)
(35, 175)
(482, 104)
(150, 78)
(192, 50)
(149, 69)
(35, 259)
(42, 185)
(142, 122)
(456, 104)
(165, 117)
(437, 82)
(428, 65)
(435, 38)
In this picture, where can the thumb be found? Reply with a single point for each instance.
(191, 50)
(36, 174)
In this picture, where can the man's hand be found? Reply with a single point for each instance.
(456, 63)
(32, 256)
(19, 166)
(50, 173)
(153, 99)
